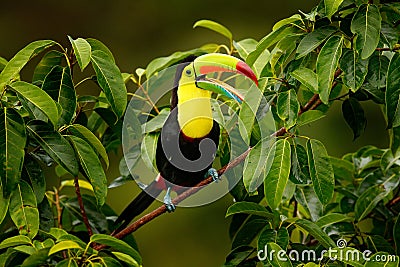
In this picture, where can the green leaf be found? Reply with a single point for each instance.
(353, 114)
(64, 245)
(38, 98)
(110, 80)
(269, 40)
(33, 173)
(321, 170)
(68, 263)
(314, 39)
(58, 84)
(286, 21)
(366, 25)
(393, 92)
(23, 210)
(15, 241)
(55, 145)
(331, 7)
(39, 258)
(310, 116)
(389, 35)
(382, 259)
(127, 259)
(288, 107)
(278, 174)
(354, 69)
(4, 202)
(14, 66)
(238, 255)
(245, 47)
(375, 81)
(248, 231)
(299, 173)
(255, 165)
(214, 26)
(332, 218)
(12, 145)
(116, 244)
(278, 259)
(368, 201)
(87, 135)
(92, 167)
(3, 63)
(49, 60)
(148, 148)
(82, 184)
(307, 77)
(96, 45)
(327, 63)
(343, 169)
(157, 122)
(82, 50)
(314, 230)
(306, 197)
(249, 208)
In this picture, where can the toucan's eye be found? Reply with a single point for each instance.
(188, 72)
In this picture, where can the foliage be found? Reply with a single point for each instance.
(343, 50)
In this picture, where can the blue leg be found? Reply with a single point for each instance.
(214, 174)
(168, 202)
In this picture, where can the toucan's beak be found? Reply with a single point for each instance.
(214, 62)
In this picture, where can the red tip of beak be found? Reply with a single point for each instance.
(246, 70)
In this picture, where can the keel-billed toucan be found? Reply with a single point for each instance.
(189, 123)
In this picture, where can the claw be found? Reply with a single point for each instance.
(168, 201)
(214, 174)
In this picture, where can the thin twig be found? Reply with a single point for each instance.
(388, 48)
(82, 207)
(58, 208)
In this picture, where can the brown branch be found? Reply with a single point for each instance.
(388, 49)
(313, 103)
(81, 206)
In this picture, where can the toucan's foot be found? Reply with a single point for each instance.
(214, 174)
(168, 201)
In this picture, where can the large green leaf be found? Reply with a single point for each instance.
(148, 149)
(249, 208)
(278, 259)
(314, 230)
(38, 98)
(331, 6)
(354, 69)
(393, 92)
(299, 173)
(15, 241)
(307, 77)
(278, 175)
(96, 45)
(389, 35)
(286, 21)
(248, 111)
(92, 167)
(82, 50)
(55, 145)
(375, 80)
(116, 244)
(248, 231)
(366, 25)
(214, 26)
(34, 175)
(12, 144)
(353, 114)
(4, 202)
(288, 107)
(245, 47)
(14, 66)
(314, 39)
(256, 165)
(269, 40)
(64, 245)
(23, 210)
(327, 63)
(332, 218)
(49, 60)
(343, 169)
(306, 197)
(87, 135)
(110, 80)
(321, 170)
(58, 84)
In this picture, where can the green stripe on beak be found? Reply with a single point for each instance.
(214, 62)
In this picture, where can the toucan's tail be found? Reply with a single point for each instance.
(138, 205)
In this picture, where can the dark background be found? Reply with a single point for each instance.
(139, 31)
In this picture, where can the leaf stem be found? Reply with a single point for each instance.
(81, 206)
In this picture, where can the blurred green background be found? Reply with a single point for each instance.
(138, 31)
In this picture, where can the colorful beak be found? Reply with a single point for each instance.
(214, 62)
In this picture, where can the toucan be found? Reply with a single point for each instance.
(183, 158)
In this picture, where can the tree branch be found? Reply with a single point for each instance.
(82, 208)
(313, 103)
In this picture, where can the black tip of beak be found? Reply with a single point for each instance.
(200, 77)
